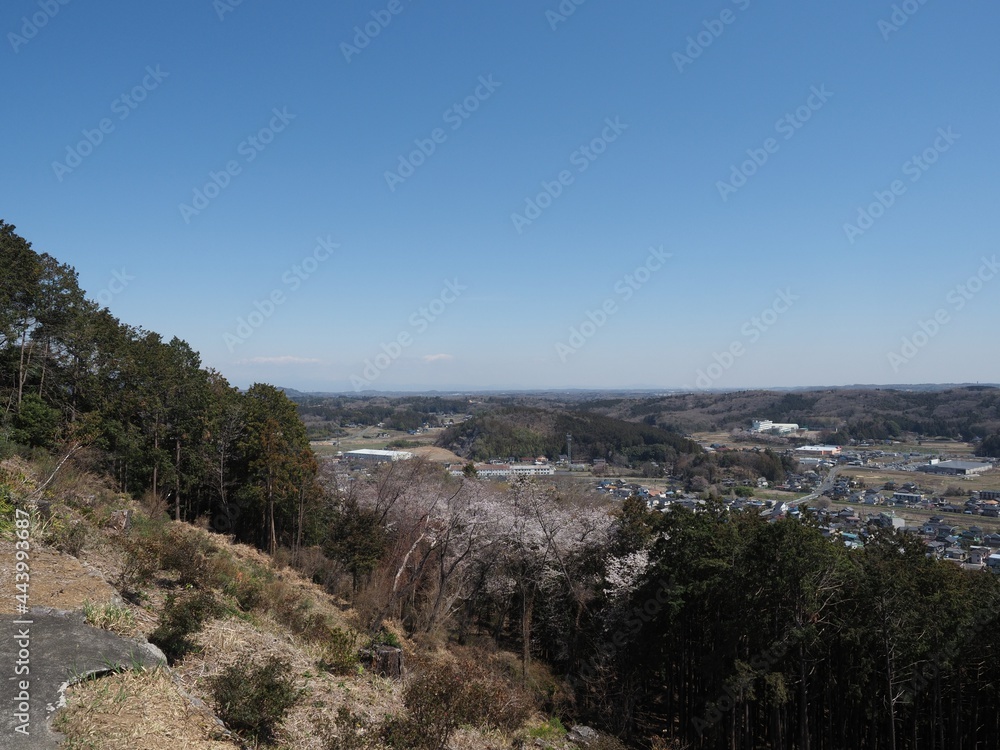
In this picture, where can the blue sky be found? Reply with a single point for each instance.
(397, 269)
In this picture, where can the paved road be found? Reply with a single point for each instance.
(56, 648)
(826, 484)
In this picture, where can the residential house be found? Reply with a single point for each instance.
(936, 549)
(956, 555)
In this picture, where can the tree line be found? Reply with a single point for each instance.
(524, 431)
(717, 630)
(726, 631)
(74, 377)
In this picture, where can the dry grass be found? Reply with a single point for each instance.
(116, 618)
(136, 711)
(231, 641)
(173, 708)
(57, 580)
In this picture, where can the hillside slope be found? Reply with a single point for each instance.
(128, 569)
(961, 412)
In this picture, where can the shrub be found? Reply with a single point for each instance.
(189, 554)
(253, 700)
(246, 589)
(434, 707)
(317, 567)
(181, 618)
(553, 729)
(491, 701)
(242, 582)
(607, 742)
(340, 651)
(446, 695)
(138, 562)
(385, 637)
(285, 602)
(69, 538)
(6, 513)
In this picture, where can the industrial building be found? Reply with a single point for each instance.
(955, 468)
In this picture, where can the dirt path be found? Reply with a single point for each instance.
(56, 580)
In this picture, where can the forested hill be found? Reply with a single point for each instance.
(875, 413)
(74, 378)
(525, 431)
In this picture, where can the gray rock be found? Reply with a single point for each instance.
(582, 735)
(58, 648)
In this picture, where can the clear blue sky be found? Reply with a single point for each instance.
(207, 84)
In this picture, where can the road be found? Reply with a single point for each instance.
(826, 484)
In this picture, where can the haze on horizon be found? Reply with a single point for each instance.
(404, 196)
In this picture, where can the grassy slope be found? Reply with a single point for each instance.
(172, 707)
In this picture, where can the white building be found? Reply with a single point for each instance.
(532, 470)
(505, 471)
(492, 471)
(766, 425)
(818, 450)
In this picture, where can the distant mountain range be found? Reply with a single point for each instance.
(632, 392)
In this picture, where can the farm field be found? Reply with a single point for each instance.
(915, 516)
(930, 483)
(367, 437)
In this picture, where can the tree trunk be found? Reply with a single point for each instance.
(156, 451)
(803, 700)
(22, 375)
(527, 610)
(889, 697)
(177, 482)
